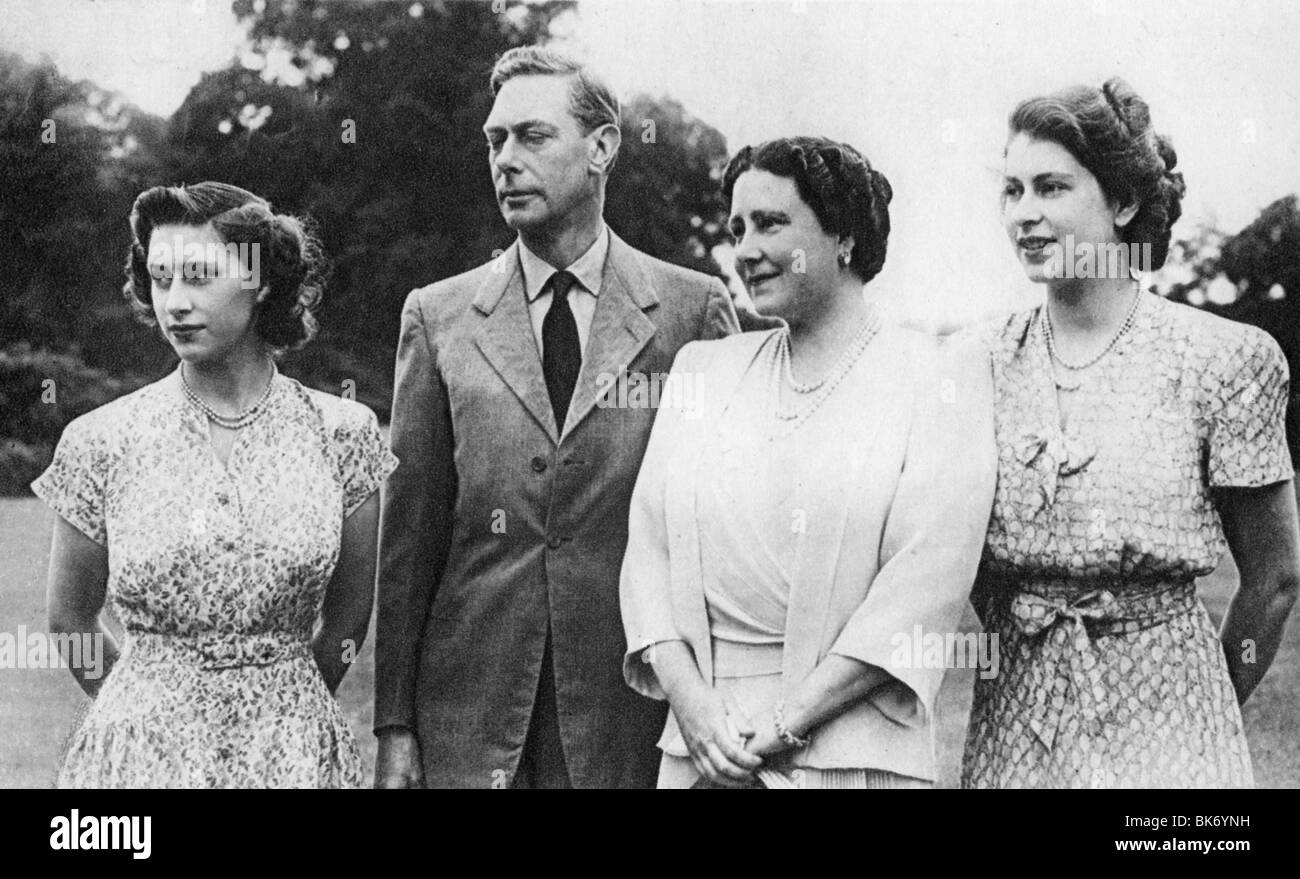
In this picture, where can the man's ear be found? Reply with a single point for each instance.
(605, 142)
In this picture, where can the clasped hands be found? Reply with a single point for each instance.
(726, 745)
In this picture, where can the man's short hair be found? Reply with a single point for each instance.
(591, 101)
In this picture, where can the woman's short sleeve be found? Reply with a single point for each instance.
(365, 460)
(1247, 439)
(75, 484)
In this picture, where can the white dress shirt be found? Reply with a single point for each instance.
(589, 269)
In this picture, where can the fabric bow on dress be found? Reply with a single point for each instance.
(1093, 614)
(1034, 614)
(1054, 455)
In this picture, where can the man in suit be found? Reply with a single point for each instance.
(499, 649)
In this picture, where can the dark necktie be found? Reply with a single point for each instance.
(561, 352)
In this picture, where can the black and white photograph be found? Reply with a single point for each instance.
(650, 395)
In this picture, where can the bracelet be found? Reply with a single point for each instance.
(783, 731)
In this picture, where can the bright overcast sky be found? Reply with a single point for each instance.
(923, 89)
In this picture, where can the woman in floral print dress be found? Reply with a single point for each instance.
(1137, 439)
(226, 514)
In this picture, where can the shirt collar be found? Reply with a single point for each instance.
(589, 268)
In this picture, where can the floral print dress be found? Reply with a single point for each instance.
(1112, 674)
(218, 573)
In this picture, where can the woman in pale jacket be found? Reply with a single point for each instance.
(812, 502)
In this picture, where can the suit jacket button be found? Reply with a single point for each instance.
(539, 464)
(554, 542)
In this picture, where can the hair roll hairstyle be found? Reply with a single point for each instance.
(1108, 131)
(290, 260)
(845, 193)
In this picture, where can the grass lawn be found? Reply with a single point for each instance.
(37, 707)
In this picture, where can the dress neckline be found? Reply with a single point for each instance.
(198, 423)
(1094, 384)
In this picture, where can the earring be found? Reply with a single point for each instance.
(844, 258)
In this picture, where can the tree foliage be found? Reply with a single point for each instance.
(71, 157)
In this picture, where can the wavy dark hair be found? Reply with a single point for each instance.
(290, 259)
(1108, 131)
(845, 193)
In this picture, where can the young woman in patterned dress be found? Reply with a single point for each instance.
(1138, 438)
(226, 514)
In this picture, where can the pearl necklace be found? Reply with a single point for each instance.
(1050, 338)
(230, 422)
(816, 393)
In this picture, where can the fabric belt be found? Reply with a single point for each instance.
(215, 651)
(1037, 610)
(735, 659)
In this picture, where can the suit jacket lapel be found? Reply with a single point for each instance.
(619, 328)
(507, 341)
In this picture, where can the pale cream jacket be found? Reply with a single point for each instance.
(891, 546)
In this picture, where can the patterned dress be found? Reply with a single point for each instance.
(1111, 672)
(218, 573)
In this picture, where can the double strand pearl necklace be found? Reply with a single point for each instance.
(814, 393)
(1050, 338)
(230, 422)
